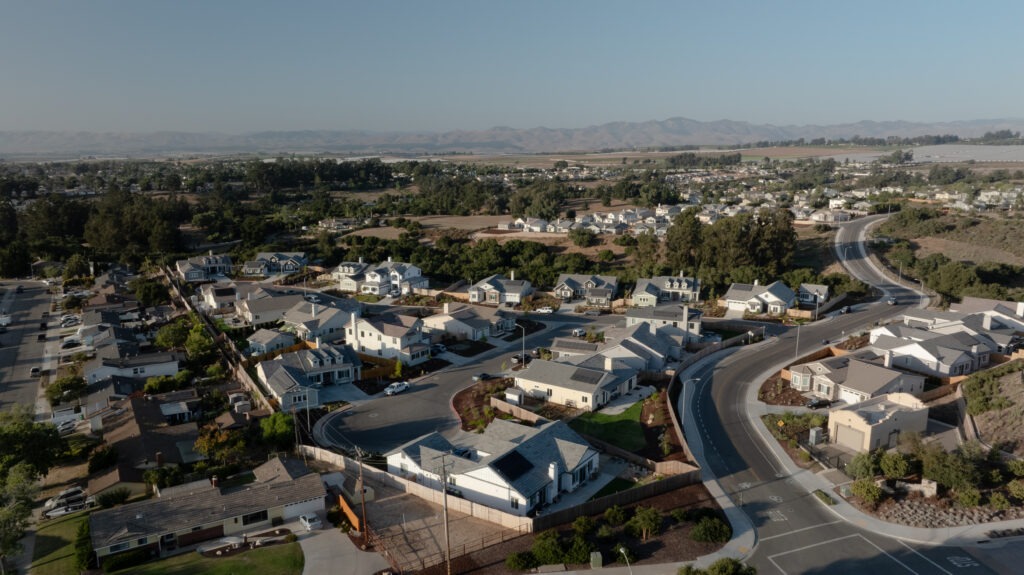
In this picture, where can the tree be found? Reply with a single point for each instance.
(863, 465)
(711, 530)
(682, 242)
(582, 237)
(867, 491)
(173, 334)
(23, 440)
(724, 566)
(278, 430)
(646, 521)
(894, 465)
(198, 345)
(66, 389)
(76, 266)
(398, 369)
(150, 292)
(220, 445)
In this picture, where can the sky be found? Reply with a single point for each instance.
(237, 66)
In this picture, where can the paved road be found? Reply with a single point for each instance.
(381, 424)
(795, 533)
(21, 351)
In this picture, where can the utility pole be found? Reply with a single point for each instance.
(796, 352)
(444, 499)
(362, 498)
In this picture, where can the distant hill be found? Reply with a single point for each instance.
(616, 135)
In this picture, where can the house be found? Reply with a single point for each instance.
(596, 290)
(775, 298)
(854, 378)
(392, 336)
(472, 322)
(267, 341)
(350, 275)
(642, 346)
(310, 320)
(588, 388)
(294, 379)
(659, 289)
(813, 294)
(203, 268)
(273, 263)
(878, 422)
(931, 352)
(509, 467)
(266, 306)
(393, 277)
(336, 224)
(146, 433)
(681, 317)
(184, 516)
(144, 365)
(497, 290)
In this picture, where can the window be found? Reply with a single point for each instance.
(142, 541)
(584, 400)
(257, 517)
(549, 392)
(514, 502)
(120, 547)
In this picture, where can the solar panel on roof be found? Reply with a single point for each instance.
(586, 376)
(513, 465)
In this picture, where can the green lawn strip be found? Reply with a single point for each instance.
(54, 551)
(616, 485)
(622, 430)
(286, 559)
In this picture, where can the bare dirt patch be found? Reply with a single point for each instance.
(803, 151)
(777, 391)
(1005, 427)
(965, 252)
(472, 404)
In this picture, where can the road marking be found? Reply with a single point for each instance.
(883, 551)
(960, 561)
(925, 558)
(745, 485)
(788, 533)
(811, 546)
(775, 498)
(776, 516)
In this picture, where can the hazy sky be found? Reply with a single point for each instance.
(242, 66)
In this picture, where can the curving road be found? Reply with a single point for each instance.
(795, 533)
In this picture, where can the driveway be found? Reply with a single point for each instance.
(329, 551)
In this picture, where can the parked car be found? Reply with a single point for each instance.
(19, 289)
(545, 309)
(438, 348)
(67, 427)
(64, 510)
(579, 332)
(35, 372)
(481, 376)
(891, 300)
(396, 388)
(818, 402)
(592, 312)
(70, 343)
(41, 337)
(310, 522)
(62, 497)
(521, 359)
(844, 310)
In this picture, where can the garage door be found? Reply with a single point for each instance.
(294, 510)
(849, 437)
(849, 397)
(738, 305)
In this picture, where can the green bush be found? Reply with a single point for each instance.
(711, 530)
(126, 559)
(824, 497)
(605, 532)
(84, 556)
(982, 389)
(867, 490)
(998, 501)
(615, 515)
(291, 538)
(102, 458)
(1016, 488)
(547, 548)
(583, 525)
(521, 561)
(697, 513)
(579, 550)
(113, 497)
(1016, 467)
(968, 497)
(622, 553)
(679, 515)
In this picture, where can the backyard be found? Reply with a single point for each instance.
(275, 560)
(622, 429)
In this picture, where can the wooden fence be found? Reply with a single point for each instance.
(514, 410)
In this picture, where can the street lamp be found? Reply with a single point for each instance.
(796, 352)
(817, 301)
(846, 252)
(626, 557)
(523, 327)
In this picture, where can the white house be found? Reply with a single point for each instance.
(509, 467)
(813, 294)
(271, 263)
(583, 387)
(267, 341)
(497, 290)
(350, 275)
(878, 422)
(659, 289)
(203, 268)
(774, 298)
(294, 379)
(472, 322)
(310, 320)
(683, 318)
(391, 336)
(392, 277)
(595, 289)
(854, 378)
(139, 366)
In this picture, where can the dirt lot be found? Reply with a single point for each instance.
(1006, 425)
(962, 251)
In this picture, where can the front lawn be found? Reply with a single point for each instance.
(54, 551)
(622, 430)
(274, 560)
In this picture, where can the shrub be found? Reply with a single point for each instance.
(547, 548)
(824, 497)
(679, 515)
(102, 459)
(583, 525)
(968, 497)
(615, 515)
(521, 561)
(998, 501)
(113, 497)
(622, 553)
(605, 532)
(645, 523)
(126, 559)
(1016, 488)
(863, 466)
(291, 538)
(711, 530)
(579, 550)
(867, 491)
(84, 556)
(696, 514)
(1016, 467)
(894, 465)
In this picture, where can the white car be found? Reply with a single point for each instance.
(64, 496)
(67, 427)
(310, 522)
(579, 332)
(64, 510)
(545, 309)
(396, 388)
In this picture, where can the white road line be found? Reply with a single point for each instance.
(811, 546)
(777, 566)
(788, 533)
(905, 566)
(937, 566)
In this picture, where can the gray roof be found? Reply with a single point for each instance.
(573, 345)
(568, 376)
(180, 512)
(265, 336)
(579, 281)
(670, 312)
(746, 292)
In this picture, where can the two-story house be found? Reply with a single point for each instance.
(660, 289)
(391, 336)
(294, 379)
(683, 318)
(595, 289)
(203, 268)
(272, 263)
(350, 275)
(391, 277)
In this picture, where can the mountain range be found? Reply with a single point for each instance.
(499, 140)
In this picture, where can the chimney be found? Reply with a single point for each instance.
(211, 253)
(513, 275)
(447, 307)
(318, 342)
(986, 321)
(654, 328)
(214, 481)
(553, 472)
(389, 259)
(757, 282)
(159, 459)
(360, 259)
(888, 358)
(609, 363)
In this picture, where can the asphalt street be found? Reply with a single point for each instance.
(381, 424)
(21, 351)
